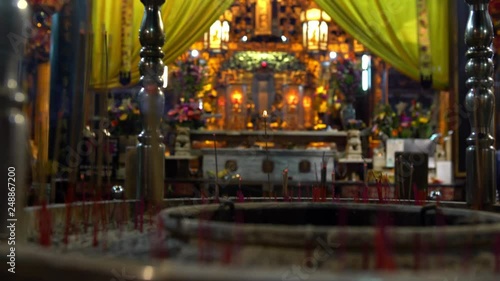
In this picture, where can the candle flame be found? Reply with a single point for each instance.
(264, 113)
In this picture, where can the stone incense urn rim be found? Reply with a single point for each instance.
(184, 223)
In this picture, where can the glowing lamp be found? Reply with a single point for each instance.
(306, 102)
(236, 98)
(315, 30)
(217, 38)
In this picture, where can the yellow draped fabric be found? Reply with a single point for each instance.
(388, 28)
(184, 22)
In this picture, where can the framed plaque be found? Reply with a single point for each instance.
(263, 17)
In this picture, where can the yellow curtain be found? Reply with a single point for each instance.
(184, 23)
(388, 28)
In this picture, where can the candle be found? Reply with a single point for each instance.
(264, 115)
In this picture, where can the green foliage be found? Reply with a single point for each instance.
(252, 60)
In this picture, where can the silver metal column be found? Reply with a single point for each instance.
(14, 145)
(151, 150)
(480, 104)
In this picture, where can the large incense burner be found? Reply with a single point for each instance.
(267, 239)
(335, 236)
(270, 240)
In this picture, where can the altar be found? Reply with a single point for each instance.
(268, 166)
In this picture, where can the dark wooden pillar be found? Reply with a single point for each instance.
(480, 106)
(151, 150)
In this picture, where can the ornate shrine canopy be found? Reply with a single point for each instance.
(388, 28)
(185, 21)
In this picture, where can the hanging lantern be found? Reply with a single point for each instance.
(315, 30)
(217, 38)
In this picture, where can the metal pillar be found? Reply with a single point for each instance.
(480, 104)
(151, 150)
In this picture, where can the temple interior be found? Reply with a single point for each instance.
(250, 140)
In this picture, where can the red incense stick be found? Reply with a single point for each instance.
(84, 207)
(69, 203)
(45, 225)
(95, 218)
(383, 255)
(365, 193)
(203, 234)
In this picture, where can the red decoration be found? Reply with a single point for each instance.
(263, 64)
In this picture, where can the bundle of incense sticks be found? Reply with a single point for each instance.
(383, 253)
(68, 208)
(364, 193)
(158, 248)
(419, 195)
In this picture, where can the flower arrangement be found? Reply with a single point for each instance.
(189, 77)
(125, 117)
(186, 115)
(346, 78)
(321, 100)
(401, 123)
